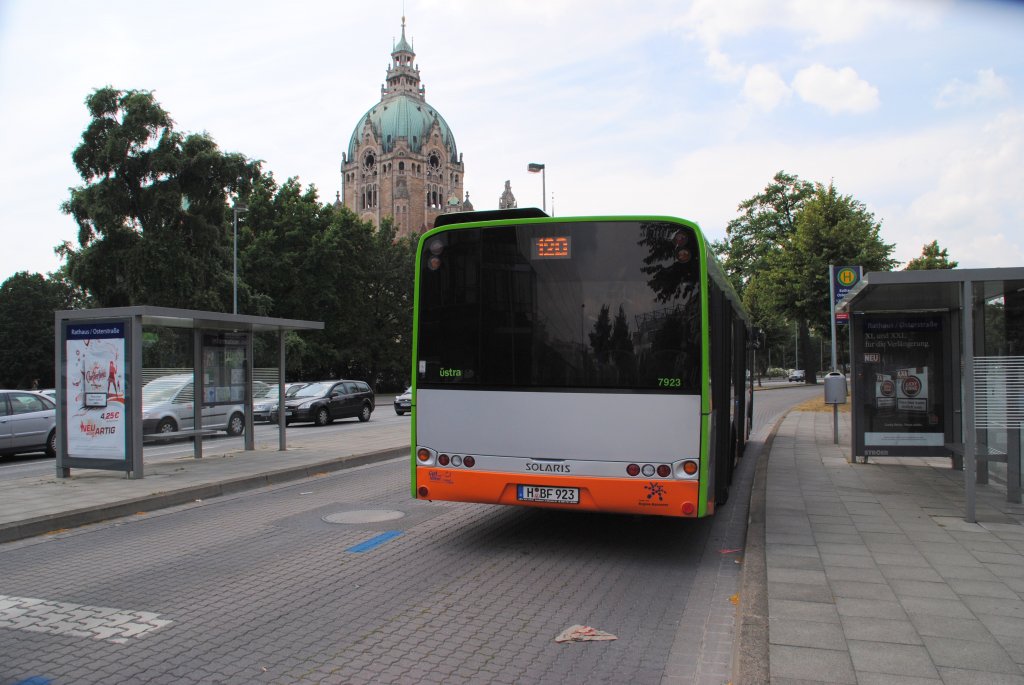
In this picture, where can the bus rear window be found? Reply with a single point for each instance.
(573, 306)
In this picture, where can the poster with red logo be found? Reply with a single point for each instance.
(901, 358)
(94, 412)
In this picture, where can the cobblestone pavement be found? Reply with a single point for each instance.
(259, 588)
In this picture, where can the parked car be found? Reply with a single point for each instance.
(797, 376)
(403, 402)
(263, 405)
(168, 406)
(325, 401)
(28, 423)
(49, 392)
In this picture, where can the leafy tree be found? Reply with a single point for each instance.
(766, 222)
(932, 257)
(830, 229)
(386, 306)
(306, 260)
(27, 304)
(153, 213)
(155, 227)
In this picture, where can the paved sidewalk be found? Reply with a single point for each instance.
(35, 505)
(873, 576)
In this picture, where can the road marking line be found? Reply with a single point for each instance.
(374, 542)
(77, 620)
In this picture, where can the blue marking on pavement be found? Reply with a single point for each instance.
(374, 542)
(35, 680)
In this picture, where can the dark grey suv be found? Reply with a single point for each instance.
(325, 401)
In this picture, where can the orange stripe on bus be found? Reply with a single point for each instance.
(620, 495)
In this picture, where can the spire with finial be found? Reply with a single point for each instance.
(403, 75)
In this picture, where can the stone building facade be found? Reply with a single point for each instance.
(402, 160)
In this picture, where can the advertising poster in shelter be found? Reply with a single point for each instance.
(224, 363)
(94, 411)
(901, 369)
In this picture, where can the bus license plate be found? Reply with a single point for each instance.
(544, 493)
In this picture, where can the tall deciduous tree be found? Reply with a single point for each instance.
(932, 257)
(27, 303)
(830, 229)
(386, 302)
(764, 227)
(766, 222)
(153, 212)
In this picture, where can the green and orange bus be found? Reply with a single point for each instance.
(585, 363)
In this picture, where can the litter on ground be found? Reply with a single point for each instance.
(580, 633)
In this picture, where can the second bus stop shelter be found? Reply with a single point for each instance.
(937, 365)
(98, 358)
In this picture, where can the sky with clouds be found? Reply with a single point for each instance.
(914, 107)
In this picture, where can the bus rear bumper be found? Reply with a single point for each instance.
(653, 497)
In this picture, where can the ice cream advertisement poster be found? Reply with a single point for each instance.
(94, 414)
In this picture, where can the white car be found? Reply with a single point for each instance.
(265, 404)
(798, 376)
(28, 423)
(168, 406)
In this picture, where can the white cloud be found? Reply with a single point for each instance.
(844, 21)
(836, 90)
(986, 87)
(957, 183)
(815, 23)
(765, 88)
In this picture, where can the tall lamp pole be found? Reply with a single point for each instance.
(534, 167)
(236, 209)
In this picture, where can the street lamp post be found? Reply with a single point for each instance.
(236, 208)
(534, 167)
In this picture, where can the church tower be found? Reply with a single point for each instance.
(402, 160)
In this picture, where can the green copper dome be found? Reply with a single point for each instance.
(403, 116)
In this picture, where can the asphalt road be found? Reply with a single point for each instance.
(345, 579)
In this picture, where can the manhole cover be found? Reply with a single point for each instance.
(364, 516)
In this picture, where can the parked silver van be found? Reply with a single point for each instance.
(168, 406)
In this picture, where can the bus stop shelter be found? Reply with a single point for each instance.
(98, 357)
(937, 365)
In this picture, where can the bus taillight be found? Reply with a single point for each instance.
(664, 470)
(423, 454)
(690, 467)
(633, 470)
(443, 460)
(468, 461)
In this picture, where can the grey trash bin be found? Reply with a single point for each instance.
(835, 388)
